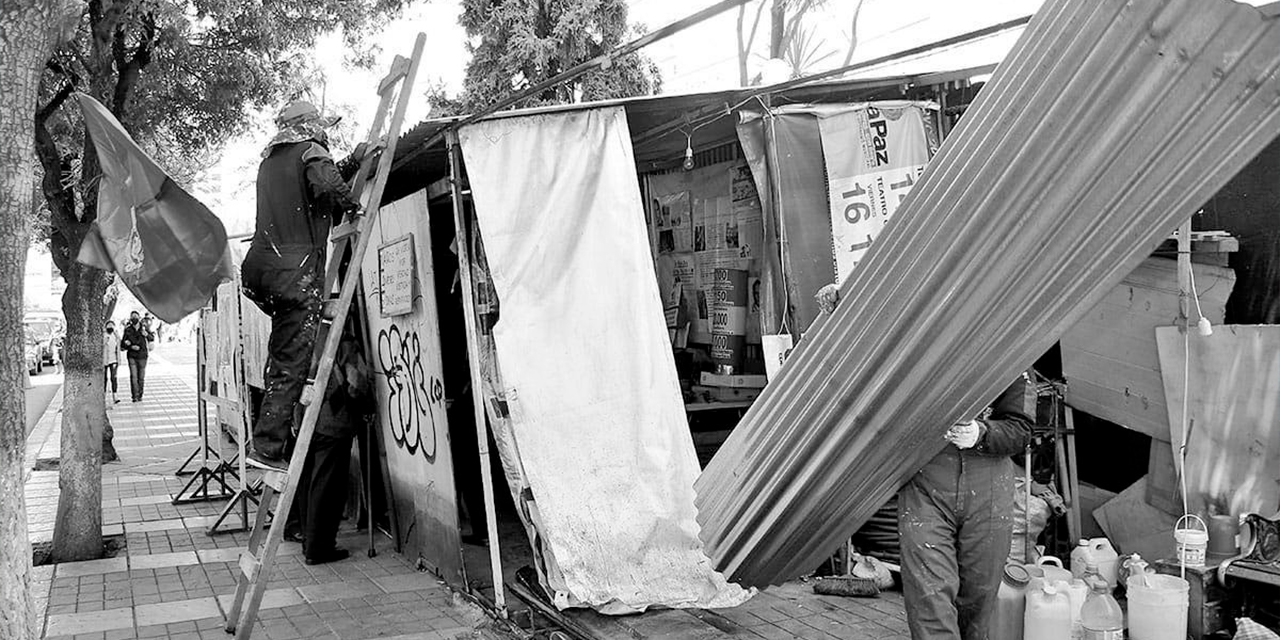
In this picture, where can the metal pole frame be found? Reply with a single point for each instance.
(462, 233)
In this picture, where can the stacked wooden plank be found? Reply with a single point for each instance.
(1108, 124)
(1109, 357)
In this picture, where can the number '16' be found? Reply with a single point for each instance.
(857, 210)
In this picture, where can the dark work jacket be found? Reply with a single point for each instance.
(1005, 429)
(300, 195)
(134, 335)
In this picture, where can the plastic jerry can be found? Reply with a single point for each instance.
(1011, 604)
(1097, 551)
(1077, 591)
(1048, 615)
(1052, 570)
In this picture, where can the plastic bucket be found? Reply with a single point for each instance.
(1157, 607)
(1192, 543)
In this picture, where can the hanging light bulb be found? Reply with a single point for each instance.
(1204, 327)
(688, 153)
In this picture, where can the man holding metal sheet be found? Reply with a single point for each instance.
(300, 194)
(955, 520)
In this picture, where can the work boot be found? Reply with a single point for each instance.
(333, 555)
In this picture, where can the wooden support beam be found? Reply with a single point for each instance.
(462, 233)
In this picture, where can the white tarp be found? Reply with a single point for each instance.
(585, 358)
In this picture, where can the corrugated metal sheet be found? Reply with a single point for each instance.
(1108, 124)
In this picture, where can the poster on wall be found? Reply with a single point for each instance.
(674, 223)
(702, 220)
(874, 154)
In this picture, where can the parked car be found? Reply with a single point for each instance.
(31, 350)
(47, 328)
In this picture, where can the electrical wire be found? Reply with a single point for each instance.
(1186, 417)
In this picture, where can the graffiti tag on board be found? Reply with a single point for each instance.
(411, 391)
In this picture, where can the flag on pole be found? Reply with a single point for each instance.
(169, 249)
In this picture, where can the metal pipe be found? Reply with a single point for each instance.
(601, 61)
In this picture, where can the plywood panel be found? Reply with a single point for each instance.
(1110, 358)
(410, 393)
(1233, 447)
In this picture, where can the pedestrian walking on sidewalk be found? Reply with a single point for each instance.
(300, 195)
(110, 361)
(134, 343)
(955, 520)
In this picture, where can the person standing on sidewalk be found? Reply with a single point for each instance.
(323, 485)
(300, 195)
(110, 360)
(134, 343)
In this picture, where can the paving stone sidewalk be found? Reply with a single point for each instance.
(175, 581)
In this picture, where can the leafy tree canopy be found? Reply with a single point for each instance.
(518, 43)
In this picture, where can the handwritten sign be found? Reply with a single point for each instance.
(396, 277)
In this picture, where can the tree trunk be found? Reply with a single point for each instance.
(777, 28)
(25, 46)
(77, 532)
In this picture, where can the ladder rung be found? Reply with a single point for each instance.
(249, 565)
(345, 230)
(308, 394)
(399, 69)
(275, 480)
(220, 401)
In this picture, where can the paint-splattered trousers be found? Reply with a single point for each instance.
(292, 298)
(955, 519)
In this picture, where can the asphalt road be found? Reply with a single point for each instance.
(43, 387)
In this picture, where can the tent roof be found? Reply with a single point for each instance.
(656, 122)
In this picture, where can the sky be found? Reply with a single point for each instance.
(701, 58)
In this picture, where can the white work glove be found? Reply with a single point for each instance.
(964, 434)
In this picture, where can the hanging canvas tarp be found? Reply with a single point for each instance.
(582, 346)
(1108, 124)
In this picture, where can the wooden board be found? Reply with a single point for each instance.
(1233, 448)
(410, 394)
(1134, 526)
(1110, 358)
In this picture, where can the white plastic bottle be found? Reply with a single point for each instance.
(1101, 617)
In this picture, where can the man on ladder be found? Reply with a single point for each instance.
(300, 195)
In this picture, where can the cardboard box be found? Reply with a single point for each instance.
(737, 381)
(725, 394)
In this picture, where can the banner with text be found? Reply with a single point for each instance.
(874, 153)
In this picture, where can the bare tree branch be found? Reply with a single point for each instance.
(56, 101)
(853, 33)
(131, 69)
